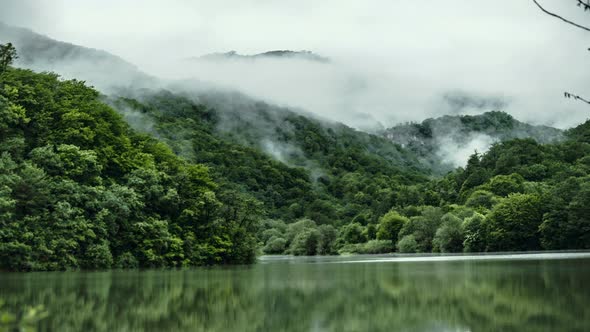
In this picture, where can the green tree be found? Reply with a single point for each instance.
(408, 244)
(503, 185)
(579, 219)
(305, 243)
(515, 223)
(449, 236)
(423, 227)
(7, 55)
(476, 233)
(327, 240)
(297, 227)
(275, 245)
(390, 225)
(352, 233)
(481, 199)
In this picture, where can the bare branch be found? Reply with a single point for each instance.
(575, 97)
(585, 5)
(561, 18)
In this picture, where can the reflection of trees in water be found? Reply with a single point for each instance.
(484, 296)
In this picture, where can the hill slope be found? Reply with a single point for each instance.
(448, 141)
(328, 188)
(80, 189)
(298, 166)
(102, 69)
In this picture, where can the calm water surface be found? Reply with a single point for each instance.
(547, 292)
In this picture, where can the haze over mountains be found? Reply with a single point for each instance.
(212, 162)
(450, 140)
(277, 54)
(100, 68)
(111, 74)
(379, 74)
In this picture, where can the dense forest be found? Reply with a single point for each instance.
(154, 178)
(520, 195)
(437, 141)
(79, 188)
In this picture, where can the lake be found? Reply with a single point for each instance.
(532, 292)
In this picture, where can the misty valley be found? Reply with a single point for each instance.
(131, 201)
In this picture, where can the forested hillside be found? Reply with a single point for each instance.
(149, 177)
(443, 142)
(345, 191)
(297, 166)
(520, 195)
(79, 188)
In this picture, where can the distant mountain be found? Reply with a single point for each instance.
(447, 142)
(73, 168)
(99, 68)
(277, 54)
(293, 162)
(296, 165)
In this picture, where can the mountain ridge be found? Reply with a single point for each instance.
(228, 174)
(427, 137)
(273, 54)
(41, 53)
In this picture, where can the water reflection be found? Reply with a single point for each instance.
(523, 295)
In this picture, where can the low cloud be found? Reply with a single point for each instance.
(392, 61)
(457, 153)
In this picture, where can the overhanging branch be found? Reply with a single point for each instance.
(585, 5)
(575, 97)
(580, 3)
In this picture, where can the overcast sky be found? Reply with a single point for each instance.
(393, 59)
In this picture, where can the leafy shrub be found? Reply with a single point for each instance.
(407, 244)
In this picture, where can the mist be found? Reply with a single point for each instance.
(391, 61)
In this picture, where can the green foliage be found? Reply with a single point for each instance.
(449, 236)
(352, 233)
(408, 244)
(578, 225)
(481, 199)
(275, 245)
(327, 240)
(298, 227)
(305, 243)
(515, 223)
(80, 189)
(476, 232)
(503, 185)
(424, 138)
(370, 232)
(350, 180)
(296, 166)
(390, 225)
(423, 228)
(98, 256)
(267, 234)
(7, 56)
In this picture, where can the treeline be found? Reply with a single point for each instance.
(425, 138)
(519, 196)
(329, 173)
(80, 189)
